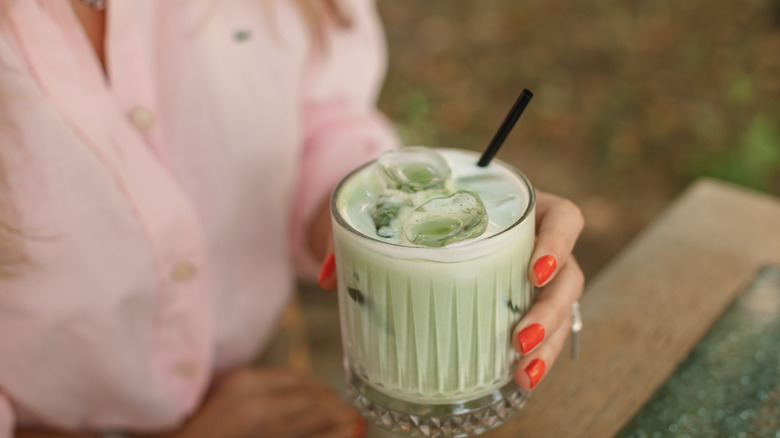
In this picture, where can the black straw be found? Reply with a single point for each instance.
(505, 128)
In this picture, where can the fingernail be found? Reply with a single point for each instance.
(535, 371)
(544, 267)
(359, 428)
(326, 271)
(530, 337)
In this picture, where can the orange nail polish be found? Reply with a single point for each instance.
(530, 337)
(544, 267)
(359, 428)
(326, 271)
(535, 371)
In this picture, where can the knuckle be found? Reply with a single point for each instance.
(573, 267)
(579, 277)
(566, 323)
(562, 313)
(576, 213)
(550, 314)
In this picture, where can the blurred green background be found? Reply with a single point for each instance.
(633, 99)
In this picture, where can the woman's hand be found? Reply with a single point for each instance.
(541, 333)
(280, 403)
(256, 403)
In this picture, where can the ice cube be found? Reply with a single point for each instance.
(388, 207)
(414, 168)
(450, 219)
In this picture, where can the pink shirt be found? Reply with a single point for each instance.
(164, 206)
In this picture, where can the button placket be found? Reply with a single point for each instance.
(141, 118)
(183, 271)
(184, 369)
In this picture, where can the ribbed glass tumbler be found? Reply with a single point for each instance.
(427, 331)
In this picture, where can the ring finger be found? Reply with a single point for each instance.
(532, 368)
(551, 308)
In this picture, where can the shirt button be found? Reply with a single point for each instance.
(183, 272)
(184, 369)
(141, 118)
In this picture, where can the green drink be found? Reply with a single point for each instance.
(432, 254)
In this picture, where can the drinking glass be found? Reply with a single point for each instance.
(427, 332)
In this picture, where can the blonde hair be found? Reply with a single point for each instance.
(318, 14)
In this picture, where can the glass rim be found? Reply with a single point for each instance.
(336, 214)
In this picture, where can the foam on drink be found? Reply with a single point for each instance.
(417, 185)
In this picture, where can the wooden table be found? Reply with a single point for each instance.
(649, 307)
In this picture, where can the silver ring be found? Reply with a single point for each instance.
(576, 328)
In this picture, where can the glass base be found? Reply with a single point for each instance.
(455, 419)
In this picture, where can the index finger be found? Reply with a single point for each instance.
(558, 225)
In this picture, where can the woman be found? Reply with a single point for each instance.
(165, 162)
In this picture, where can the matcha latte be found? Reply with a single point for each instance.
(432, 254)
